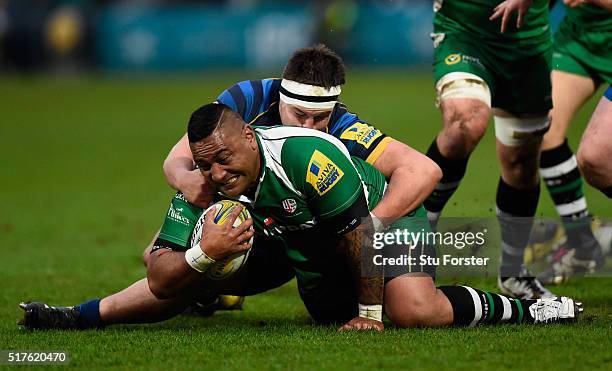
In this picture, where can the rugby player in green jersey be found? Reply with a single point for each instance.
(325, 235)
(311, 83)
(308, 96)
(581, 62)
(485, 62)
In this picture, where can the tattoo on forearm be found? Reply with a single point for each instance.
(368, 276)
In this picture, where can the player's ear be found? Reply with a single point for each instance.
(249, 135)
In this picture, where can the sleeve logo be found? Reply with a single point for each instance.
(452, 59)
(363, 134)
(322, 173)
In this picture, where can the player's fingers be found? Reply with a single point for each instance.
(242, 228)
(519, 19)
(210, 216)
(505, 19)
(498, 11)
(245, 237)
(233, 216)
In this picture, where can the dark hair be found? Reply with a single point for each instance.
(204, 121)
(316, 65)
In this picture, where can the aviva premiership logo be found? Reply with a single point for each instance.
(452, 59)
(363, 134)
(322, 173)
(289, 205)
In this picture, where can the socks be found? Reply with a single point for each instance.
(90, 313)
(472, 307)
(559, 169)
(607, 191)
(453, 171)
(515, 211)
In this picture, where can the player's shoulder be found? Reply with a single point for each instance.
(259, 87)
(296, 140)
(343, 120)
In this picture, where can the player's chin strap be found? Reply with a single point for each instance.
(308, 96)
(371, 311)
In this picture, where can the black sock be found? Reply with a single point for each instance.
(472, 307)
(515, 211)
(559, 169)
(452, 173)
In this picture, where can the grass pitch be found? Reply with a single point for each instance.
(82, 193)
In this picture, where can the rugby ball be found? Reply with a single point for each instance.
(231, 264)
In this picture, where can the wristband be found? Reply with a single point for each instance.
(378, 224)
(197, 260)
(371, 311)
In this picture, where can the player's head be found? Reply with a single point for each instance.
(310, 87)
(224, 148)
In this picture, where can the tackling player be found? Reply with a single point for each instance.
(484, 65)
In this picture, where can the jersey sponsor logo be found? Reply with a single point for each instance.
(180, 196)
(273, 229)
(322, 173)
(363, 134)
(175, 213)
(452, 59)
(289, 205)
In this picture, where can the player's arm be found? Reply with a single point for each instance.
(181, 174)
(326, 175)
(179, 168)
(411, 175)
(173, 268)
(355, 224)
(370, 280)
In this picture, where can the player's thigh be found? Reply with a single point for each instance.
(410, 253)
(460, 74)
(413, 300)
(523, 86)
(595, 150)
(464, 87)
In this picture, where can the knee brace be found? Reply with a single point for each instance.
(515, 132)
(462, 85)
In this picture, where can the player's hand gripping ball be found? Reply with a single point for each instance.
(231, 264)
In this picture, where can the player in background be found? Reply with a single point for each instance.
(485, 61)
(581, 61)
(595, 150)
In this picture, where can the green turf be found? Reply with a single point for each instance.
(82, 193)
